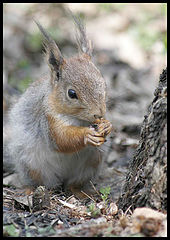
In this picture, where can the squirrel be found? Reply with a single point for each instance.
(58, 125)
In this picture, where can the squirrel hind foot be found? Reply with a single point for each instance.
(81, 191)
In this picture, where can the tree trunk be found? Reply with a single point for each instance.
(146, 180)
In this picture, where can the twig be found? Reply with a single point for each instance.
(88, 196)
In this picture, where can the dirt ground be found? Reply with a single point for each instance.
(130, 50)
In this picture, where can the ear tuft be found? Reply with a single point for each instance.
(84, 44)
(54, 56)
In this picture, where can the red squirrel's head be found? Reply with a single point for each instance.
(78, 88)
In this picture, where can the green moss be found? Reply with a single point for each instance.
(21, 85)
(48, 229)
(34, 42)
(164, 9)
(108, 7)
(24, 63)
(165, 42)
(10, 231)
(24, 83)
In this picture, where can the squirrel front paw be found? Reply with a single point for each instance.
(103, 126)
(95, 135)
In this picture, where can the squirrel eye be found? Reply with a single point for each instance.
(72, 94)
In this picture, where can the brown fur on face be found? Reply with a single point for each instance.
(79, 74)
(58, 106)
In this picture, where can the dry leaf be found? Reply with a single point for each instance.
(112, 209)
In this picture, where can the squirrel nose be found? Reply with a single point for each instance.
(100, 113)
(97, 116)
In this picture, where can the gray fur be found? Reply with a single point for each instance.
(30, 145)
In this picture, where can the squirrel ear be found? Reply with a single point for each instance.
(84, 44)
(54, 56)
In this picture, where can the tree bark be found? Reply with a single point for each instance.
(146, 179)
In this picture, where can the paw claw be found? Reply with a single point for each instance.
(97, 132)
